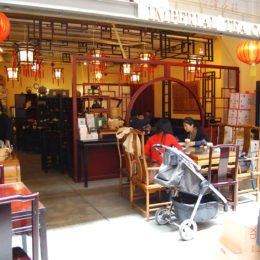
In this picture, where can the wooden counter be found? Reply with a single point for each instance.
(12, 171)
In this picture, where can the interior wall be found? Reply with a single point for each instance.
(18, 87)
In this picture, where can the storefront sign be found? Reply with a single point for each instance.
(197, 20)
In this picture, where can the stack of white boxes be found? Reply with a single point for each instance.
(238, 240)
(239, 108)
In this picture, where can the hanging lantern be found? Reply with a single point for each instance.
(35, 67)
(126, 68)
(98, 75)
(249, 52)
(135, 77)
(12, 73)
(96, 53)
(58, 73)
(4, 27)
(145, 56)
(25, 56)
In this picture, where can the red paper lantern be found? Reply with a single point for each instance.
(249, 52)
(4, 27)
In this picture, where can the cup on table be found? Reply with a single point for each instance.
(209, 145)
(187, 141)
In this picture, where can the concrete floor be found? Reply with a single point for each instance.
(96, 223)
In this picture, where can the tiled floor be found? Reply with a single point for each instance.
(96, 223)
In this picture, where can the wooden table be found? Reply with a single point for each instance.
(98, 159)
(8, 213)
(12, 171)
(201, 156)
(106, 131)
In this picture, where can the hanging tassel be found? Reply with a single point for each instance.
(20, 77)
(42, 76)
(5, 76)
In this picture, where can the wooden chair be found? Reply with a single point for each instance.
(1, 174)
(138, 171)
(124, 166)
(221, 131)
(222, 170)
(19, 253)
(253, 171)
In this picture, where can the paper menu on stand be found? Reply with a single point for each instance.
(90, 120)
(82, 123)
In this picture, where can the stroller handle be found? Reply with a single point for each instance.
(156, 146)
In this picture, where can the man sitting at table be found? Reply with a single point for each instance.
(196, 135)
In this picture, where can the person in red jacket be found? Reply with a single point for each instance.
(163, 135)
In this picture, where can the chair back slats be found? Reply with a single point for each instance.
(221, 134)
(227, 166)
(137, 159)
(34, 198)
(247, 138)
(223, 164)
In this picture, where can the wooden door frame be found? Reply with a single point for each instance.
(146, 85)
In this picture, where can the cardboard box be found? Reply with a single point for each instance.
(240, 142)
(240, 100)
(254, 146)
(239, 230)
(226, 251)
(238, 117)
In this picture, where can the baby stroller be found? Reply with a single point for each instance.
(196, 199)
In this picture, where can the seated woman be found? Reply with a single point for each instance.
(163, 135)
(195, 133)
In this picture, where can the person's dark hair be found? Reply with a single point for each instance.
(164, 126)
(1, 106)
(190, 121)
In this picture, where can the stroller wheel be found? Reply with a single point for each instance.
(187, 229)
(162, 216)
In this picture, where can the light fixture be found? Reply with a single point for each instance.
(145, 56)
(96, 53)
(12, 73)
(98, 75)
(135, 77)
(25, 56)
(1, 49)
(201, 51)
(35, 66)
(126, 68)
(58, 73)
(194, 59)
(249, 52)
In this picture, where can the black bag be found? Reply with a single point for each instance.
(244, 164)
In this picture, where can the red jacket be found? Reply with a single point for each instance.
(167, 139)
